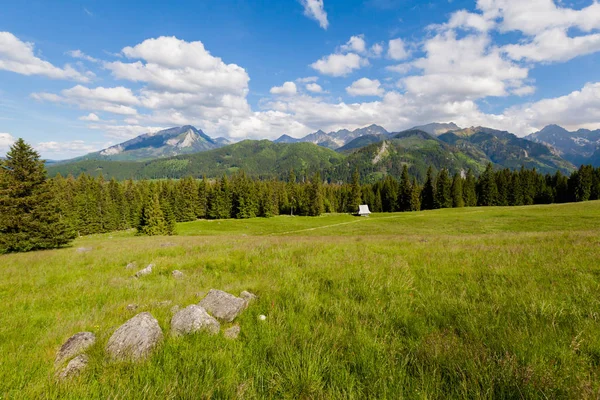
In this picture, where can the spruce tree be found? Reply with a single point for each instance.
(152, 221)
(415, 201)
(356, 194)
(457, 191)
(30, 217)
(405, 192)
(428, 192)
(443, 187)
(316, 206)
(487, 190)
(469, 190)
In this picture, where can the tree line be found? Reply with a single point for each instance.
(37, 212)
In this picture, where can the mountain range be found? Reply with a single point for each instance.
(579, 147)
(183, 151)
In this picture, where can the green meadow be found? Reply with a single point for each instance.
(456, 303)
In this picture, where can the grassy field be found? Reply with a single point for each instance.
(460, 303)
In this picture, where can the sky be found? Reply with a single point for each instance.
(79, 76)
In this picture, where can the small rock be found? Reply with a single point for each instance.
(131, 265)
(174, 309)
(232, 333)
(177, 274)
(132, 307)
(84, 249)
(262, 317)
(193, 319)
(248, 297)
(145, 271)
(76, 344)
(223, 305)
(168, 244)
(164, 303)
(74, 367)
(135, 339)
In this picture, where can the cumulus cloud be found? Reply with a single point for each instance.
(356, 44)
(376, 50)
(365, 87)
(308, 79)
(81, 55)
(314, 87)
(74, 146)
(287, 89)
(6, 140)
(17, 56)
(397, 49)
(90, 117)
(315, 9)
(339, 64)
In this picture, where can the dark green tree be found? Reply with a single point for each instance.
(487, 193)
(356, 194)
(405, 192)
(30, 216)
(470, 189)
(457, 191)
(443, 190)
(152, 221)
(315, 195)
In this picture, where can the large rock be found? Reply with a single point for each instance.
(74, 367)
(135, 339)
(222, 305)
(145, 271)
(193, 319)
(75, 345)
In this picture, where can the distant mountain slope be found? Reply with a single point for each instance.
(257, 158)
(166, 143)
(506, 149)
(334, 140)
(577, 147)
(437, 128)
(360, 142)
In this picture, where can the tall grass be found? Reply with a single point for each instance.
(473, 303)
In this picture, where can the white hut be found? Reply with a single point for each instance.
(363, 210)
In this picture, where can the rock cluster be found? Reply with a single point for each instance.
(72, 350)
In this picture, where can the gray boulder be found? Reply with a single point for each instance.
(232, 333)
(74, 367)
(248, 297)
(222, 305)
(177, 274)
(75, 345)
(193, 319)
(135, 339)
(131, 265)
(145, 271)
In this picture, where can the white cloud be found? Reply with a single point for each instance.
(17, 56)
(287, 89)
(554, 45)
(308, 79)
(355, 44)
(314, 87)
(81, 55)
(315, 9)
(90, 117)
(124, 131)
(397, 49)
(74, 146)
(467, 20)
(339, 64)
(6, 140)
(376, 50)
(365, 87)
(400, 68)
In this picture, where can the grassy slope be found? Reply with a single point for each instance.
(498, 302)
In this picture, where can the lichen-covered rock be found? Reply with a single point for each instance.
(75, 345)
(145, 271)
(132, 307)
(193, 319)
(135, 339)
(232, 333)
(131, 265)
(222, 305)
(177, 274)
(74, 367)
(248, 297)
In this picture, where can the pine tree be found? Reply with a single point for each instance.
(30, 216)
(152, 221)
(443, 190)
(487, 190)
(428, 192)
(356, 194)
(415, 201)
(316, 207)
(469, 190)
(457, 191)
(405, 191)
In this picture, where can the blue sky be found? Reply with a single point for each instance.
(77, 76)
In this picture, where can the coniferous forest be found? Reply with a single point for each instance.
(39, 212)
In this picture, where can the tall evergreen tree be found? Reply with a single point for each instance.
(415, 200)
(406, 191)
(457, 191)
(443, 190)
(316, 207)
(152, 221)
(487, 190)
(356, 195)
(470, 189)
(428, 192)
(30, 217)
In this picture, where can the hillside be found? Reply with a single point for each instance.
(507, 150)
(577, 147)
(257, 158)
(338, 139)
